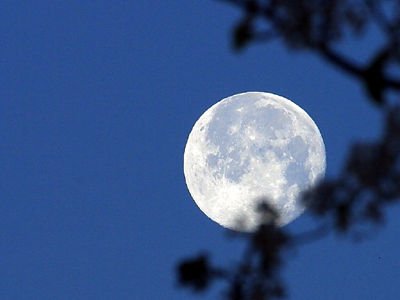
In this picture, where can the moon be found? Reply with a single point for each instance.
(252, 146)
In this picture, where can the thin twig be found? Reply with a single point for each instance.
(312, 235)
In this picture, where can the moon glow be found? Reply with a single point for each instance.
(250, 146)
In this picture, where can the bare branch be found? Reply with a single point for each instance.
(378, 16)
(311, 236)
(339, 61)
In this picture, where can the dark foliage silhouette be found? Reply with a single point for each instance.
(256, 275)
(355, 201)
(320, 26)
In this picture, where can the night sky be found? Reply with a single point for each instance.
(97, 99)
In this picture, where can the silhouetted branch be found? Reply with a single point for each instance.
(355, 201)
(318, 26)
(379, 17)
(311, 235)
(339, 61)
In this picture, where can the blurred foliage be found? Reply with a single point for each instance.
(320, 26)
(256, 275)
(354, 202)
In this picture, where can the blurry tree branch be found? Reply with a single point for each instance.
(320, 26)
(354, 202)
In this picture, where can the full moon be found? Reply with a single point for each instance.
(248, 147)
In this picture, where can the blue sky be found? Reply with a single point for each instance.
(97, 99)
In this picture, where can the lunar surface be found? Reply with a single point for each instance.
(248, 147)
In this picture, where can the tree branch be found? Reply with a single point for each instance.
(339, 61)
(311, 236)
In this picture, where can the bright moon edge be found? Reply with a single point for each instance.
(249, 146)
